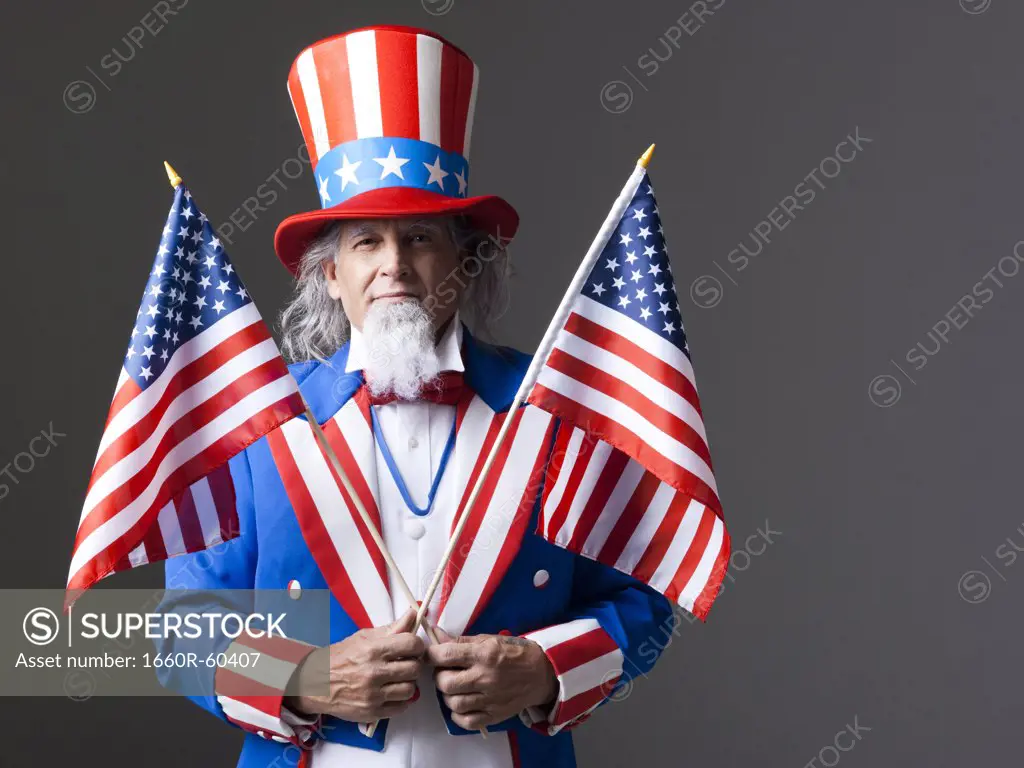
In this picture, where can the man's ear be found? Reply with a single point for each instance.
(330, 269)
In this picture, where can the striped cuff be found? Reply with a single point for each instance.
(588, 664)
(251, 688)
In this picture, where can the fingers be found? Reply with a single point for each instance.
(465, 703)
(401, 692)
(404, 646)
(453, 654)
(404, 623)
(474, 721)
(398, 671)
(443, 636)
(454, 681)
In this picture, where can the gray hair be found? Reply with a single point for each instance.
(314, 325)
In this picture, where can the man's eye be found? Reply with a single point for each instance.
(421, 237)
(365, 241)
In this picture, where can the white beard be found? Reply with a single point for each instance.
(401, 354)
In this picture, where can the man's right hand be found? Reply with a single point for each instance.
(372, 674)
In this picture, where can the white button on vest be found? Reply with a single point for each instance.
(540, 578)
(294, 589)
(414, 529)
(413, 443)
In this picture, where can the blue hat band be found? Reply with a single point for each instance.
(374, 163)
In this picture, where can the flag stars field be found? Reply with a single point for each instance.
(195, 278)
(649, 273)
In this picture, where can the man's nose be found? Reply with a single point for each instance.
(393, 262)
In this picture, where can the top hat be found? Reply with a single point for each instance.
(387, 115)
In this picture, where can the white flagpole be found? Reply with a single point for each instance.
(539, 359)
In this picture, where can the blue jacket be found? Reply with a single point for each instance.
(583, 606)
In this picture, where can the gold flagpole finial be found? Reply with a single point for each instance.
(172, 175)
(645, 158)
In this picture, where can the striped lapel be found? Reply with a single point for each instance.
(334, 532)
(499, 518)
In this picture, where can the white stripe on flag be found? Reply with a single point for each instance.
(673, 450)
(598, 459)
(428, 75)
(681, 543)
(310, 82)
(567, 462)
(206, 511)
(238, 414)
(638, 334)
(128, 465)
(138, 556)
(702, 572)
(191, 350)
(636, 377)
(613, 508)
(646, 527)
(170, 529)
(362, 67)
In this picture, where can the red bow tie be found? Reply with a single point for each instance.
(447, 389)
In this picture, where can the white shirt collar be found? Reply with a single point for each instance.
(449, 348)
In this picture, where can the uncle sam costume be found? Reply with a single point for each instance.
(387, 114)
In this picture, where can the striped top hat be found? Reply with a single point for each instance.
(387, 115)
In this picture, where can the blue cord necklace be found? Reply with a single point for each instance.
(397, 476)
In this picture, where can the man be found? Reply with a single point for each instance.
(532, 637)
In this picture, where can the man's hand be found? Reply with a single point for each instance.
(372, 674)
(487, 678)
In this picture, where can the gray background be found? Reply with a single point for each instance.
(864, 607)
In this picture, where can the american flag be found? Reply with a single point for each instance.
(201, 380)
(631, 483)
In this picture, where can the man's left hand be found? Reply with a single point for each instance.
(487, 678)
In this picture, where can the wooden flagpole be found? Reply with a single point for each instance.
(539, 359)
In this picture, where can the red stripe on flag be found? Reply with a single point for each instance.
(315, 533)
(189, 375)
(127, 392)
(707, 596)
(617, 389)
(558, 456)
(630, 518)
(625, 440)
(213, 456)
(154, 544)
(331, 60)
(606, 482)
(631, 352)
(662, 539)
(222, 488)
(693, 555)
(399, 89)
(184, 427)
(188, 521)
(572, 485)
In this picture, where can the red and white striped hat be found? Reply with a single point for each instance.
(387, 115)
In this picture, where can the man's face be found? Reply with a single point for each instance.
(386, 260)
